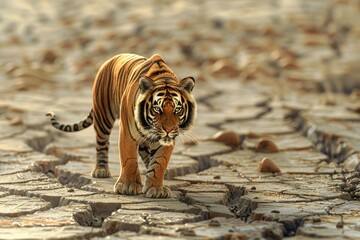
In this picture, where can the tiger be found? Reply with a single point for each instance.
(153, 107)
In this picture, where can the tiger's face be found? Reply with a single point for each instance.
(164, 110)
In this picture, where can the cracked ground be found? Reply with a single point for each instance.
(278, 126)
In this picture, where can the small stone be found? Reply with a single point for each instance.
(267, 165)
(266, 146)
(340, 224)
(214, 223)
(229, 138)
(225, 67)
(16, 122)
(328, 101)
(49, 56)
(15, 39)
(50, 174)
(233, 208)
(275, 211)
(188, 233)
(253, 188)
(316, 219)
(218, 23)
(217, 177)
(71, 190)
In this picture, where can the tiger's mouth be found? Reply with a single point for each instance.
(166, 141)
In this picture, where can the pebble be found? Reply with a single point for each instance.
(187, 233)
(16, 122)
(214, 223)
(49, 56)
(267, 165)
(340, 224)
(266, 146)
(225, 68)
(316, 219)
(229, 138)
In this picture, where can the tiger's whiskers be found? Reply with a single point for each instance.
(188, 137)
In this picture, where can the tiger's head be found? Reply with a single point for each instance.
(164, 110)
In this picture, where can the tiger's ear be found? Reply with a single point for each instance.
(187, 83)
(145, 84)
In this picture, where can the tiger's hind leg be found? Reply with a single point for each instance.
(103, 126)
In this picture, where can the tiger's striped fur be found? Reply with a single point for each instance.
(153, 107)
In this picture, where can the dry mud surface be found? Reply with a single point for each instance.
(281, 77)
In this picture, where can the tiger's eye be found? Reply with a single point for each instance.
(156, 109)
(178, 110)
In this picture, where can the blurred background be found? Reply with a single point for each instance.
(303, 45)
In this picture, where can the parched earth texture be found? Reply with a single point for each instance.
(282, 77)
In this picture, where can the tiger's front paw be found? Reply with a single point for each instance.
(157, 192)
(127, 187)
(101, 172)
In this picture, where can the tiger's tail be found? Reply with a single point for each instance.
(85, 123)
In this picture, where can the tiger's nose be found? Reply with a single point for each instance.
(168, 129)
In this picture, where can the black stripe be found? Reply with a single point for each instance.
(85, 124)
(102, 143)
(106, 148)
(144, 149)
(102, 161)
(102, 128)
(153, 151)
(110, 109)
(67, 128)
(149, 171)
(190, 117)
(141, 116)
(154, 162)
(182, 99)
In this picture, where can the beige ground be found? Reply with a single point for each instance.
(283, 70)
